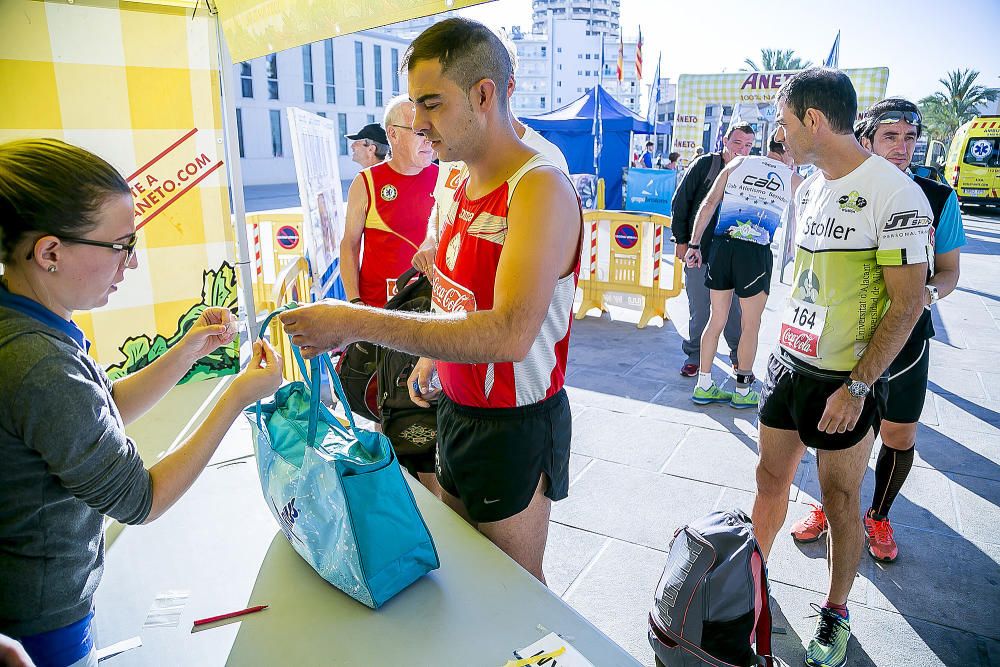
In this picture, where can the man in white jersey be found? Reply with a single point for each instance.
(860, 268)
(751, 194)
(451, 175)
(504, 282)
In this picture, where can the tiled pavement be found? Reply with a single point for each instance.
(646, 460)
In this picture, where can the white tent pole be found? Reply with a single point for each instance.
(244, 264)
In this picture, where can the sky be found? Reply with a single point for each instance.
(918, 40)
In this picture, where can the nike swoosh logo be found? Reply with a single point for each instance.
(490, 502)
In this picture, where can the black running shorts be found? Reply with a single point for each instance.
(908, 383)
(795, 400)
(492, 458)
(742, 266)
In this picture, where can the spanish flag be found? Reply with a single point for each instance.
(638, 56)
(621, 59)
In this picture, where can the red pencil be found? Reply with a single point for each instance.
(232, 614)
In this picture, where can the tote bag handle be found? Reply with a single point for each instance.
(313, 374)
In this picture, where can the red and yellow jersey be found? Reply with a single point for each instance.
(395, 226)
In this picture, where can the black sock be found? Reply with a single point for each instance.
(891, 470)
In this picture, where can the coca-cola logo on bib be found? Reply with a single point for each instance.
(797, 340)
(450, 297)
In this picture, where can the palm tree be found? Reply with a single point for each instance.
(944, 112)
(777, 59)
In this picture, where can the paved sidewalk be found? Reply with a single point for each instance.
(646, 460)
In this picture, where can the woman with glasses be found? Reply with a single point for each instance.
(67, 237)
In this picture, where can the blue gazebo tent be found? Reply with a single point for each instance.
(572, 129)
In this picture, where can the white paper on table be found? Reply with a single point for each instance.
(120, 647)
(549, 644)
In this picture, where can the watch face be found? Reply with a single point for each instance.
(858, 388)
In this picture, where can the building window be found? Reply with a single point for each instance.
(272, 76)
(342, 127)
(558, 84)
(246, 79)
(371, 118)
(307, 73)
(587, 56)
(395, 71)
(559, 49)
(239, 130)
(378, 75)
(543, 102)
(359, 71)
(543, 51)
(558, 100)
(276, 133)
(321, 113)
(331, 90)
(727, 110)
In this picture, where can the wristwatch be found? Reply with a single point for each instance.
(857, 388)
(932, 291)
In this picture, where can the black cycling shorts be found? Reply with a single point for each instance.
(908, 383)
(742, 266)
(795, 400)
(492, 458)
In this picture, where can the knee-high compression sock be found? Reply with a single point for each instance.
(891, 469)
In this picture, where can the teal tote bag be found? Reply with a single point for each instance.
(338, 493)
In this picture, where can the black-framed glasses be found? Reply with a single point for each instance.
(128, 247)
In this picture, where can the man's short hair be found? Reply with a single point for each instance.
(775, 146)
(649, 143)
(742, 127)
(827, 90)
(865, 128)
(673, 157)
(468, 52)
(394, 112)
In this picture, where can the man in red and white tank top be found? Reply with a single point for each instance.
(506, 271)
(387, 209)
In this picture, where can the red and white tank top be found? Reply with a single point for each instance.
(395, 226)
(469, 250)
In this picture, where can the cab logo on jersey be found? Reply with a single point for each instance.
(450, 297)
(852, 203)
(772, 183)
(389, 192)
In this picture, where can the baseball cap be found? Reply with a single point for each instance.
(372, 132)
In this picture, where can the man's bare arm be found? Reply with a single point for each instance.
(905, 286)
(711, 202)
(354, 229)
(541, 247)
(946, 272)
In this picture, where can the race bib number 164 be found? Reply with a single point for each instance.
(802, 327)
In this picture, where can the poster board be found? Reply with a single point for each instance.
(314, 147)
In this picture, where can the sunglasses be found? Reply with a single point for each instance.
(911, 117)
(127, 247)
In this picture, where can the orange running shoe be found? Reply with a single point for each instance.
(881, 543)
(811, 527)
